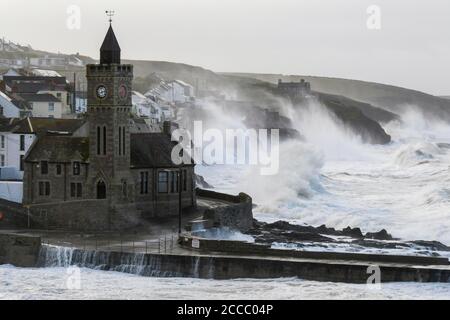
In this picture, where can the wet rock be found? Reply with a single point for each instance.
(323, 229)
(291, 237)
(201, 182)
(286, 226)
(380, 235)
(304, 236)
(352, 232)
(377, 244)
(432, 245)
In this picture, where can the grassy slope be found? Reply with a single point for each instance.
(388, 97)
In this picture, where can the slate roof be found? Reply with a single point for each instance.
(43, 125)
(22, 79)
(54, 148)
(110, 49)
(45, 97)
(7, 124)
(29, 87)
(152, 150)
(148, 150)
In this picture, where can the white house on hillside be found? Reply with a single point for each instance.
(7, 108)
(153, 108)
(180, 92)
(17, 135)
(44, 105)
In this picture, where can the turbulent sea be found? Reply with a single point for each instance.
(330, 178)
(52, 283)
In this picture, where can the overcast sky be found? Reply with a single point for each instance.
(309, 37)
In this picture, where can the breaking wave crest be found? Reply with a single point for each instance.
(332, 178)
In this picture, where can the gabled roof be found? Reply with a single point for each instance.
(181, 83)
(148, 150)
(44, 97)
(43, 125)
(54, 80)
(55, 148)
(110, 49)
(152, 150)
(28, 87)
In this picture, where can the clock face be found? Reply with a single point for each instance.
(101, 92)
(123, 92)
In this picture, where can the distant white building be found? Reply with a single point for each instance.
(17, 135)
(179, 92)
(44, 73)
(46, 94)
(80, 102)
(14, 63)
(155, 109)
(11, 72)
(175, 91)
(48, 61)
(141, 104)
(14, 143)
(44, 105)
(7, 107)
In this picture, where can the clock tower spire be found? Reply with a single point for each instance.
(110, 49)
(109, 106)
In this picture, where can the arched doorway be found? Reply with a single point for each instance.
(101, 190)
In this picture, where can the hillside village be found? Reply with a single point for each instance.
(45, 93)
(37, 99)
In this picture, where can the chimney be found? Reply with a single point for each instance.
(167, 128)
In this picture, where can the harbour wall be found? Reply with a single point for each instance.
(18, 250)
(236, 214)
(242, 248)
(24, 251)
(234, 267)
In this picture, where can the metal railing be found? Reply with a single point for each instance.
(163, 244)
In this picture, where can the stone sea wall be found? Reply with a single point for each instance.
(234, 267)
(236, 214)
(18, 250)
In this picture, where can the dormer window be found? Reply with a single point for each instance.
(76, 168)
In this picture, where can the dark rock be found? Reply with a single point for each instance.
(258, 224)
(304, 236)
(361, 118)
(286, 226)
(354, 233)
(380, 235)
(377, 244)
(201, 182)
(432, 245)
(323, 229)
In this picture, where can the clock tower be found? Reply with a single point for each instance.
(109, 106)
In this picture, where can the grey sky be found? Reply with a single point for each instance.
(312, 37)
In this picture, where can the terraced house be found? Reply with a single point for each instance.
(104, 176)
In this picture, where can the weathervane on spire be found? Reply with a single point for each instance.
(110, 14)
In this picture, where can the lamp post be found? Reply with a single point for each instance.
(179, 201)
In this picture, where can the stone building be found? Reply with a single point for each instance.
(294, 90)
(103, 176)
